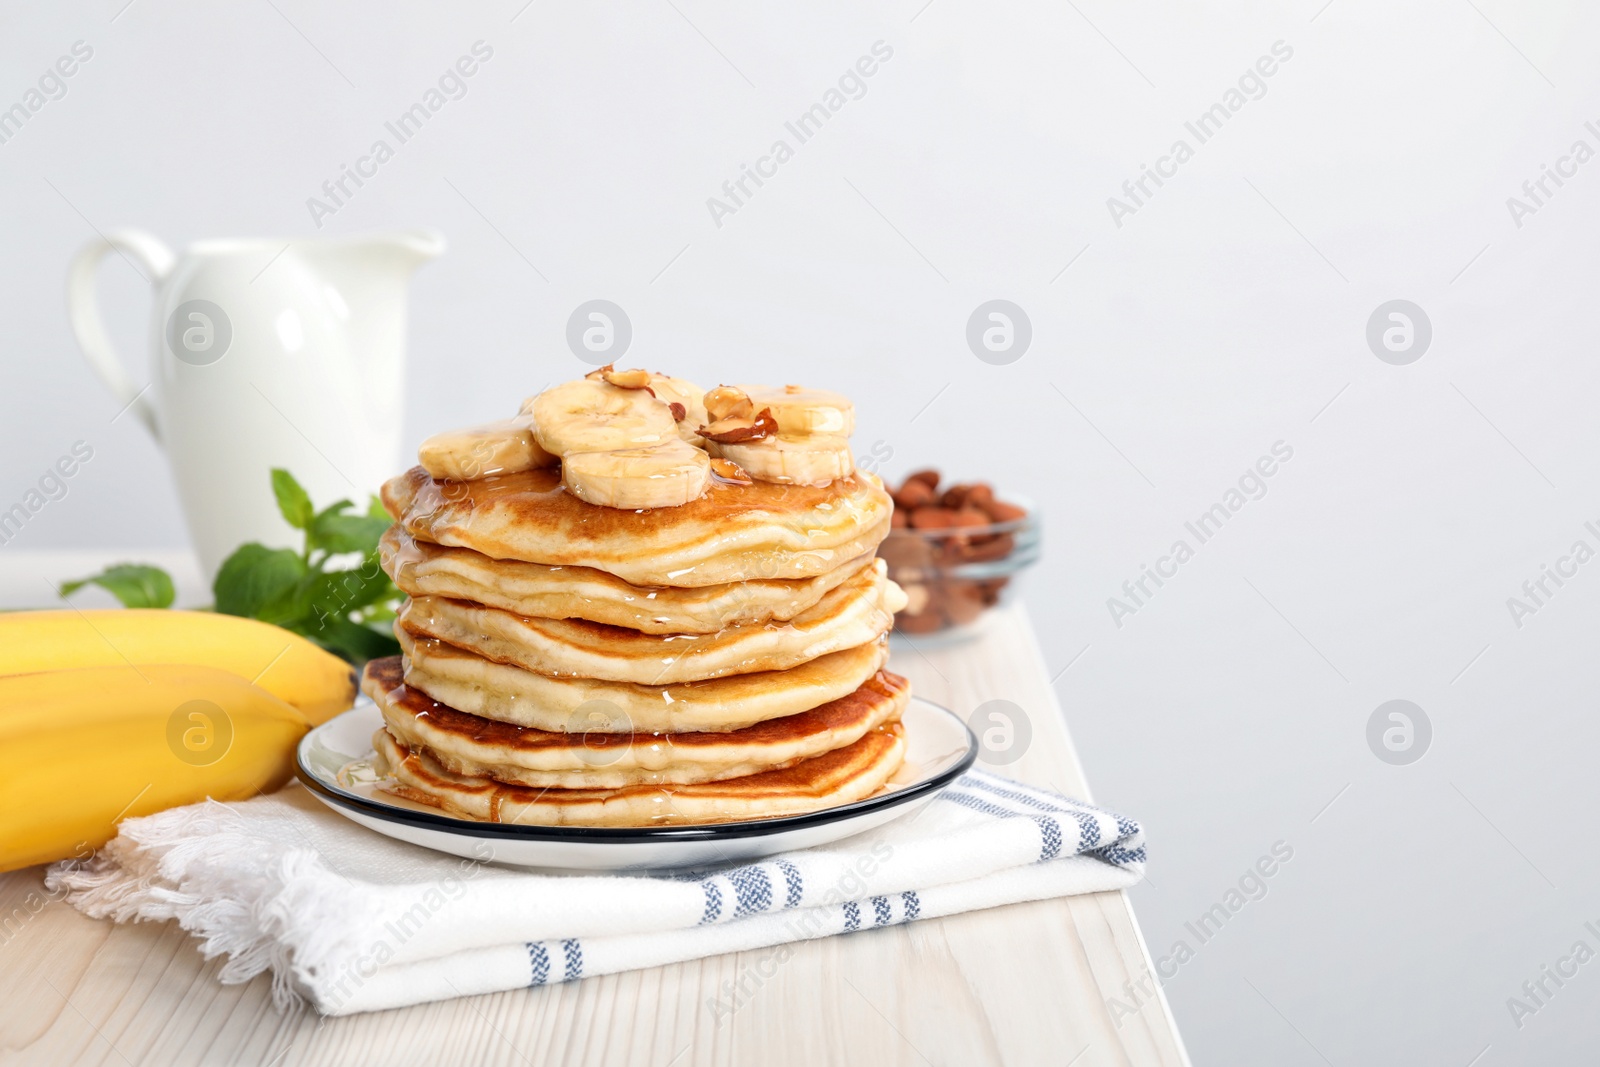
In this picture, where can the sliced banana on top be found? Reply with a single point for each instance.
(790, 459)
(596, 416)
(660, 476)
(624, 438)
(804, 411)
(633, 439)
(688, 396)
(504, 447)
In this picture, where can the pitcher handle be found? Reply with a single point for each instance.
(84, 311)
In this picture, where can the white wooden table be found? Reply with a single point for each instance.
(1024, 984)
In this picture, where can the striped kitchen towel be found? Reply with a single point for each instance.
(353, 921)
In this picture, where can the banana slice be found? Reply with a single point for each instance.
(690, 396)
(595, 416)
(804, 411)
(790, 459)
(660, 476)
(503, 447)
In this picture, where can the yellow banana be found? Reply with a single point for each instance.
(596, 416)
(85, 748)
(802, 411)
(661, 476)
(790, 459)
(504, 447)
(687, 395)
(286, 665)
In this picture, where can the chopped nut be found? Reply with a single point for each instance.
(679, 412)
(930, 478)
(728, 470)
(731, 430)
(638, 378)
(726, 402)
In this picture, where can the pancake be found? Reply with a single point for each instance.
(847, 774)
(468, 745)
(536, 589)
(732, 533)
(857, 612)
(468, 682)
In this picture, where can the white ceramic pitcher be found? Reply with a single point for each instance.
(264, 354)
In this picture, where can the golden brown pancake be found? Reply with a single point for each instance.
(475, 747)
(842, 776)
(468, 682)
(855, 613)
(421, 568)
(732, 533)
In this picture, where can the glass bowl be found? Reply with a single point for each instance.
(953, 575)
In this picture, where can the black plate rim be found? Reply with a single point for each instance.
(621, 835)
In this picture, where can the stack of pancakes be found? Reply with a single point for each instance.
(570, 663)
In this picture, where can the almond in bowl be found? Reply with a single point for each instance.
(954, 550)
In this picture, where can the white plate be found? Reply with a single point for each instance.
(939, 749)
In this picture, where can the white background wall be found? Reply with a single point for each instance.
(1227, 314)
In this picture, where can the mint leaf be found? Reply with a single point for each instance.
(293, 501)
(338, 593)
(332, 509)
(347, 533)
(136, 585)
(349, 612)
(353, 641)
(257, 578)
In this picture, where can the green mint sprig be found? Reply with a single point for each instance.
(136, 585)
(349, 611)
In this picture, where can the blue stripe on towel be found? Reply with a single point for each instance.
(713, 910)
(1090, 833)
(1030, 799)
(793, 883)
(1049, 837)
(574, 953)
(880, 911)
(1049, 829)
(1122, 857)
(967, 800)
(1125, 827)
(539, 962)
(752, 890)
(913, 904)
(852, 915)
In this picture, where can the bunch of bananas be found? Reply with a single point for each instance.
(106, 715)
